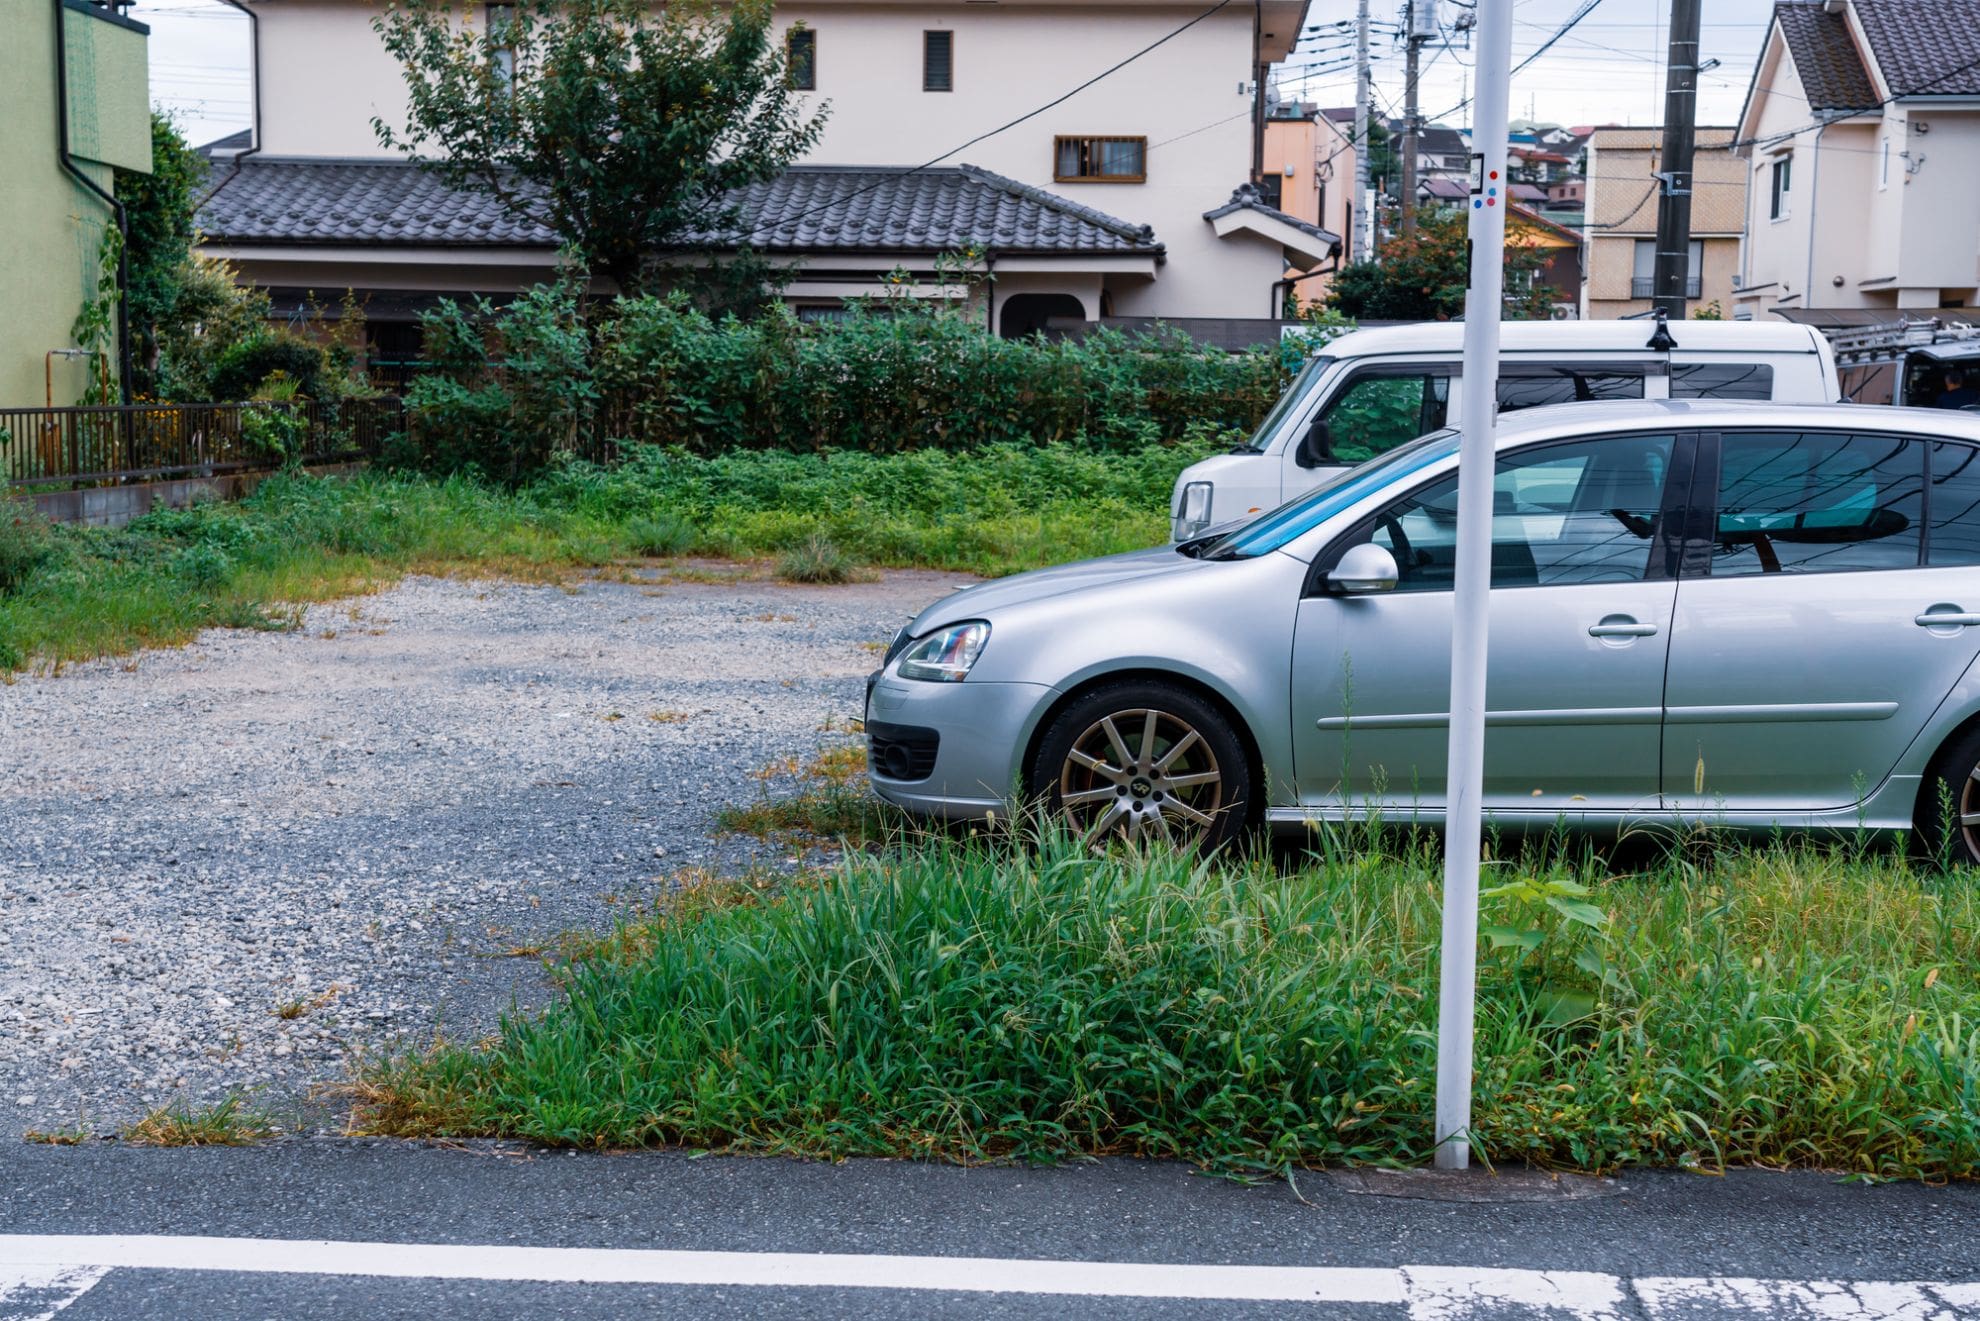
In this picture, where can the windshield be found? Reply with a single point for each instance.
(1294, 393)
(1295, 518)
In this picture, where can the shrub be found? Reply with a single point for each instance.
(815, 560)
(244, 366)
(26, 543)
(661, 534)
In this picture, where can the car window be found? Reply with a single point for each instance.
(1530, 388)
(1294, 394)
(1301, 514)
(1374, 413)
(1954, 505)
(1721, 380)
(1584, 511)
(1817, 502)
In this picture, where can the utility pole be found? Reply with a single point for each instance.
(1471, 597)
(1673, 269)
(1419, 26)
(1360, 248)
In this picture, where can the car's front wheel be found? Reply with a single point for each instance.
(1144, 761)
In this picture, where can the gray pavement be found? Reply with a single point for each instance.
(1770, 1226)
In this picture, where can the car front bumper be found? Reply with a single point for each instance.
(981, 730)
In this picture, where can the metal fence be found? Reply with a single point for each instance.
(93, 446)
(1645, 286)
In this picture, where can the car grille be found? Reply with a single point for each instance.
(901, 752)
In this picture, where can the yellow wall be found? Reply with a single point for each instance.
(55, 226)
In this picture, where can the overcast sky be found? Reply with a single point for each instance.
(1609, 69)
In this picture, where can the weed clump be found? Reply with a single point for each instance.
(229, 1123)
(661, 535)
(815, 560)
(26, 544)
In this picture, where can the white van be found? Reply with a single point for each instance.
(1370, 390)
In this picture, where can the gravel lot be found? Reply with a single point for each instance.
(367, 816)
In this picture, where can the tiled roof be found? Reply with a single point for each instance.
(1924, 47)
(1245, 198)
(1825, 55)
(807, 209)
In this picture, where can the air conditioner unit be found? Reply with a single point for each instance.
(1563, 312)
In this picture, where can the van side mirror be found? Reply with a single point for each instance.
(1363, 569)
(1316, 447)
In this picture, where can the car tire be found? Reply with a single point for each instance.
(1953, 782)
(1193, 787)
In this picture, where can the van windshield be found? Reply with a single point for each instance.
(1293, 394)
(1300, 515)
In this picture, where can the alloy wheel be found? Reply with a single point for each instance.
(1969, 813)
(1142, 774)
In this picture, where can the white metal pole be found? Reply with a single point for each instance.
(1360, 248)
(1470, 609)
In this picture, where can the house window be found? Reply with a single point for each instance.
(1777, 205)
(1100, 160)
(1643, 274)
(801, 59)
(938, 61)
(501, 55)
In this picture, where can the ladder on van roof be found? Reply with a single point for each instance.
(1890, 341)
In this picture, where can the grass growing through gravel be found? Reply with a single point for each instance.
(70, 593)
(832, 803)
(969, 1002)
(227, 1123)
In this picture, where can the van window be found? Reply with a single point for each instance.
(1294, 394)
(1721, 380)
(1531, 388)
(1378, 411)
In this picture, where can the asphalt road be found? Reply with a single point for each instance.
(1748, 1225)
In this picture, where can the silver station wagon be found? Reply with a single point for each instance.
(1758, 615)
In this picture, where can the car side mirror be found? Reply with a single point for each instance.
(1316, 447)
(1363, 569)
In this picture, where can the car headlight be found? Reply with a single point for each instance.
(945, 655)
(1192, 512)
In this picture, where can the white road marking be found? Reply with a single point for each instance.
(1452, 1293)
(641, 1266)
(42, 1274)
(1807, 1300)
(36, 1293)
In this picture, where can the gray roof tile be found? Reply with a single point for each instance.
(1825, 56)
(807, 209)
(1925, 47)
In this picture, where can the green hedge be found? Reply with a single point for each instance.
(549, 372)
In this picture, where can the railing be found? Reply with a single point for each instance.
(1645, 286)
(87, 446)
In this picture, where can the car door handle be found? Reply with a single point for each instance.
(1946, 619)
(1621, 626)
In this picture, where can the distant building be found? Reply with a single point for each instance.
(1309, 174)
(1861, 135)
(1621, 192)
(55, 215)
(1135, 197)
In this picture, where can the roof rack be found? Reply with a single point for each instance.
(1889, 341)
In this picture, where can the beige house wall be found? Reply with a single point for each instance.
(54, 225)
(1186, 98)
(1884, 211)
(1320, 189)
(1622, 208)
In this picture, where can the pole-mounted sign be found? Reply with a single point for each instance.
(1484, 303)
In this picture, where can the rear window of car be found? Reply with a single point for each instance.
(1721, 380)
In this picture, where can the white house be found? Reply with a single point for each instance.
(1862, 134)
(1131, 198)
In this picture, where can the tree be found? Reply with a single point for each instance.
(1424, 278)
(624, 131)
(158, 215)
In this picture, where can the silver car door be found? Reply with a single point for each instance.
(1581, 610)
(1813, 636)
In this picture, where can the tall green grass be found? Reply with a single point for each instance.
(1783, 1007)
(71, 593)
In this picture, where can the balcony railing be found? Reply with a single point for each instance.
(1645, 286)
